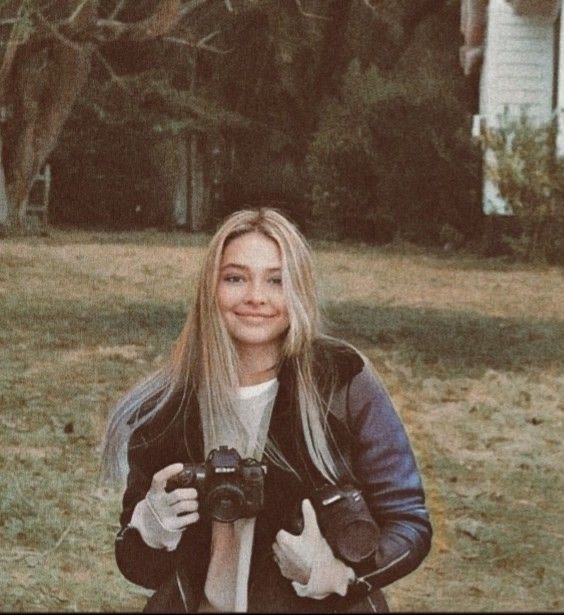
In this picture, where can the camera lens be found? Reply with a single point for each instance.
(357, 540)
(225, 503)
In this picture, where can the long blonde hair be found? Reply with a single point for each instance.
(204, 360)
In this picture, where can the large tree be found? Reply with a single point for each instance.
(266, 58)
(256, 73)
(48, 51)
(248, 90)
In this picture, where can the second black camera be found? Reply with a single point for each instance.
(344, 520)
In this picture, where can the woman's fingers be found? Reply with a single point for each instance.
(277, 552)
(311, 528)
(280, 559)
(290, 567)
(179, 495)
(284, 538)
(159, 479)
(184, 506)
(179, 523)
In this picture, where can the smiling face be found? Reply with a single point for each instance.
(250, 297)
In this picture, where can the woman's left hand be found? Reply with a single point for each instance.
(295, 554)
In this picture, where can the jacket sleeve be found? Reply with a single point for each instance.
(137, 561)
(384, 463)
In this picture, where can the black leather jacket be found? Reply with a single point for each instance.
(371, 438)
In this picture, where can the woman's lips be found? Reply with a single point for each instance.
(252, 316)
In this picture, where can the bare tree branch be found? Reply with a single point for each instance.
(163, 20)
(165, 17)
(179, 41)
(201, 44)
(119, 81)
(78, 10)
(208, 37)
(109, 30)
(10, 52)
(310, 15)
(368, 3)
(191, 6)
(212, 49)
(117, 9)
(55, 31)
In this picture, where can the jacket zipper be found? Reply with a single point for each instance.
(182, 595)
(386, 567)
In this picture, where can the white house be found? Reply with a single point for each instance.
(518, 45)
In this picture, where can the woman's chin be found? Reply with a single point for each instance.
(254, 340)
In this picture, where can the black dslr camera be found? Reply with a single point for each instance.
(344, 521)
(229, 487)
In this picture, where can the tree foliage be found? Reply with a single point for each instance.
(346, 113)
(523, 166)
(49, 51)
(391, 154)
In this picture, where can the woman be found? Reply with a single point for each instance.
(252, 371)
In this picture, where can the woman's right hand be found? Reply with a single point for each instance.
(177, 509)
(162, 517)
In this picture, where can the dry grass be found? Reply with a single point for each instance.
(470, 349)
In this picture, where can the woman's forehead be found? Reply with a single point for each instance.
(252, 250)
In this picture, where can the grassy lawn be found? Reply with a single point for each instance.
(470, 349)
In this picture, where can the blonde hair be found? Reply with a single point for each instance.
(204, 360)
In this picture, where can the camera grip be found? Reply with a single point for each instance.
(185, 478)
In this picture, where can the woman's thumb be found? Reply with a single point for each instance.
(310, 518)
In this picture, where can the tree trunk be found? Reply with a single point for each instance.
(46, 83)
(170, 160)
(41, 79)
(181, 187)
(4, 204)
(198, 213)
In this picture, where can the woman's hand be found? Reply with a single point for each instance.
(295, 554)
(307, 560)
(174, 510)
(162, 517)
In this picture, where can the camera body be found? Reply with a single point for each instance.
(229, 487)
(344, 521)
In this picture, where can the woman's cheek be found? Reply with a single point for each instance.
(228, 294)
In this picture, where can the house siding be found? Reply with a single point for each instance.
(517, 72)
(517, 76)
(560, 94)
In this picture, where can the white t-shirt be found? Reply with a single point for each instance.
(227, 577)
(232, 543)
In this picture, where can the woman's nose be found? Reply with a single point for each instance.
(255, 294)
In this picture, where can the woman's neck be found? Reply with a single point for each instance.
(256, 366)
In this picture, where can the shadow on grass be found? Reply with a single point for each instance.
(466, 261)
(71, 324)
(438, 341)
(433, 341)
(435, 257)
(61, 236)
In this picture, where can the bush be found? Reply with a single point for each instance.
(529, 176)
(392, 157)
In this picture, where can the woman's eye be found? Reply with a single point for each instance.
(276, 280)
(233, 278)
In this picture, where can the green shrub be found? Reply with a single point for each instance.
(392, 157)
(524, 167)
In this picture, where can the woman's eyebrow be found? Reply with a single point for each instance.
(234, 265)
(246, 267)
